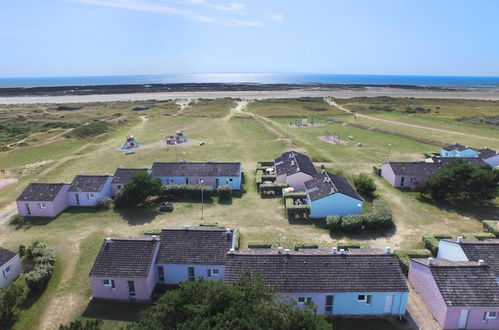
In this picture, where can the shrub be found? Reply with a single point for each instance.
(208, 224)
(491, 227)
(380, 217)
(89, 130)
(431, 241)
(138, 189)
(39, 276)
(293, 210)
(272, 188)
(22, 250)
(364, 184)
(294, 195)
(44, 259)
(302, 245)
(404, 256)
(11, 297)
(478, 236)
(333, 222)
(352, 245)
(83, 325)
(259, 245)
(224, 192)
(188, 191)
(105, 203)
(351, 223)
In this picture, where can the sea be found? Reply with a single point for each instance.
(486, 82)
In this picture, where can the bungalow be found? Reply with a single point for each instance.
(471, 250)
(43, 200)
(88, 190)
(458, 150)
(188, 253)
(357, 282)
(123, 176)
(209, 174)
(294, 169)
(124, 269)
(489, 156)
(459, 294)
(10, 266)
(330, 194)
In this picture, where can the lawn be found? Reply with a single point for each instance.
(256, 133)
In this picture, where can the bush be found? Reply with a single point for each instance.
(352, 245)
(380, 217)
(105, 203)
(209, 224)
(302, 245)
(294, 195)
(39, 276)
(478, 236)
(293, 210)
(22, 250)
(351, 223)
(333, 222)
(44, 259)
(404, 257)
(491, 227)
(364, 184)
(272, 188)
(259, 245)
(431, 241)
(83, 325)
(224, 192)
(11, 297)
(89, 130)
(138, 189)
(188, 191)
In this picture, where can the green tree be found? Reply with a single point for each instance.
(10, 298)
(364, 184)
(82, 325)
(138, 189)
(460, 180)
(248, 304)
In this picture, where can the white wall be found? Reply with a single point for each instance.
(451, 251)
(15, 270)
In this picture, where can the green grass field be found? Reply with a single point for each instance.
(259, 132)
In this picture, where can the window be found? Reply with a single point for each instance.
(28, 209)
(329, 304)
(108, 283)
(413, 180)
(229, 180)
(131, 289)
(365, 298)
(490, 315)
(212, 272)
(302, 300)
(6, 271)
(42, 205)
(361, 297)
(161, 274)
(90, 196)
(369, 299)
(215, 272)
(402, 180)
(119, 186)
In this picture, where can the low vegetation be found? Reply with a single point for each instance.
(135, 192)
(380, 217)
(364, 184)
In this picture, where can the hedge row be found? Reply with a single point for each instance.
(224, 192)
(187, 190)
(352, 245)
(404, 257)
(478, 236)
(44, 259)
(380, 217)
(294, 195)
(259, 245)
(303, 245)
(272, 188)
(491, 227)
(431, 241)
(265, 163)
(293, 210)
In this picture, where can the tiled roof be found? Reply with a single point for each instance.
(124, 175)
(196, 169)
(455, 146)
(464, 283)
(125, 257)
(319, 270)
(196, 245)
(486, 153)
(88, 183)
(6, 255)
(428, 168)
(292, 162)
(40, 192)
(487, 250)
(325, 184)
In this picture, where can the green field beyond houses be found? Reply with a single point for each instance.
(53, 143)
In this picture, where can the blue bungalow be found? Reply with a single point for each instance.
(329, 194)
(88, 190)
(350, 283)
(458, 150)
(209, 174)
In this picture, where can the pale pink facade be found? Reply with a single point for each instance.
(408, 181)
(45, 208)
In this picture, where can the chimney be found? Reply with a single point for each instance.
(154, 237)
(279, 250)
(388, 250)
(228, 231)
(186, 227)
(430, 261)
(342, 251)
(481, 262)
(292, 163)
(287, 251)
(36, 181)
(232, 250)
(109, 240)
(460, 239)
(106, 174)
(334, 250)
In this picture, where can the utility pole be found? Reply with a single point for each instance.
(202, 197)
(389, 147)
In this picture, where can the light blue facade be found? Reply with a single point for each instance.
(90, 198)
(233, 181)
(176, 273)
(347, 303)
(468, 152)
(335, 204)
(451, 251)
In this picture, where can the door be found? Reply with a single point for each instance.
(77, 196)
(131, 289)
(190, 273)
(463, 319)
(28, 209)
(186, 180)
(388, 304)
(217, 182)
(329, 304)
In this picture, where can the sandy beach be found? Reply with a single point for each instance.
(337, 93)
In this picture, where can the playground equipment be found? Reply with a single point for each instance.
(178, 138)
(335, 137)
(130, 143)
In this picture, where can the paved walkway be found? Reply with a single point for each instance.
(420, 316)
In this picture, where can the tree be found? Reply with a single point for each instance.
(364, 184)
(138, 189)
(460, 180)
(10, 298)
(82, 325)
(247, 304)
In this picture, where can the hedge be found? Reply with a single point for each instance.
(491, 227)
(303, 245)
(274, 188)
(294, 195)
(224, 192)
(293, 210)
(380, 217)
(259, 245)
(208, 224)
(266, 163)
(352, 245)
(188, 190)
(478, 236)
(404, 256)
(431, 241)
(44, 259)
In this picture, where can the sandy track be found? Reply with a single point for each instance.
(312, 92)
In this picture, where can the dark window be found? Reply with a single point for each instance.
(190, 274)
(402, 180)
(131, 289)
(329, 304)
(161, 274)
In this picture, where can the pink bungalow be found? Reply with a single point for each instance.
(43, 200)
(124, 269)
(459, 294)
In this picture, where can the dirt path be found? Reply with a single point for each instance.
(183, 103)
(420, 315)
(7, 212)
(330, 101)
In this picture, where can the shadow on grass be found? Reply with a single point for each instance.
(225, 201)
(111, 310)
(140, 214)
(482, 211)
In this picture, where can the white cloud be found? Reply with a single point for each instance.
(277, 18)
(236, 6)
(236, 22)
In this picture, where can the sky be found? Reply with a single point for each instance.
(120, 37)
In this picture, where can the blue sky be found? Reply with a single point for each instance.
(114, 37)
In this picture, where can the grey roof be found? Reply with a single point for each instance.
(292, 162)
(6, 255)
(320, 270)
(88, 183)
(325, 184)
(196, 245)
(196, 169)
(464, 283)
(428, 169)
(124, 175)
(487, 250)
(40, 192)
(486, 153)
(455, 146)
(124, 257)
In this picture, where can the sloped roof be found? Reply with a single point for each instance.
(464, 283)
(455, 146)
(292, 162)
(196, 169)
(328, 184)
(40, 192)
(88, 183)
(319, 270)
(6, 255)
(124, 257)
(124, 175)
(487, 250)
(428, 169)
(196, 245)
(486, 153)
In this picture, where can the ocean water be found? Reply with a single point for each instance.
(255, 78)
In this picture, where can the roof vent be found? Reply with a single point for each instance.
(106, 174)
(481, 262)
(36, 181)
(430, 261)
(342, 251)
(291, 154)
(186, 227)
(82, 173)
(388, 250)
(212, 160)
(279, 250)
(154, 238)
(287, 251)
(108, 240)
(228, 231)
(460, 239)
(334, 250)
(232, 250)
(293, 163)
